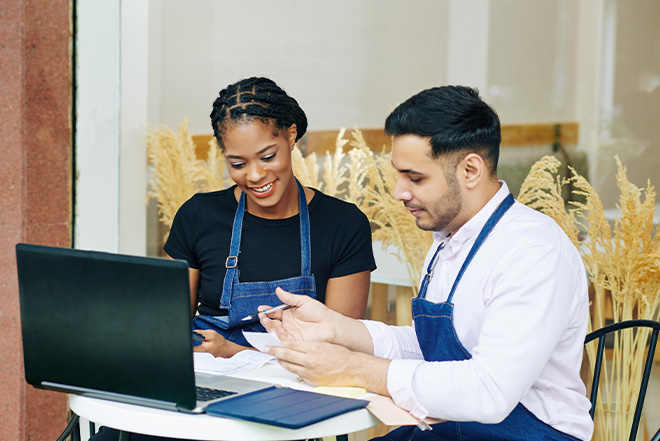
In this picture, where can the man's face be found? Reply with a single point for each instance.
(428, 187)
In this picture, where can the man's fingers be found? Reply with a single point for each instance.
(283, 295)
(294, 369)
(269, 322)
(287, 352)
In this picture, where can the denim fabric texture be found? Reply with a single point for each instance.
(242, 299)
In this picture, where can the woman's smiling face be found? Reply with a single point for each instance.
(258, 157)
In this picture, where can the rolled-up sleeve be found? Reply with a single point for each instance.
(399, 343)
(393, 341)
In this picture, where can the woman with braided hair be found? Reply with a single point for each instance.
(267, 230)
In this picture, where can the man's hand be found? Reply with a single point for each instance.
(309, 320)
(328, 364)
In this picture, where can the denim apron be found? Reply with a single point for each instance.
(242, 299)
(434, 325)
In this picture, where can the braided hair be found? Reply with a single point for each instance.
(256, 98)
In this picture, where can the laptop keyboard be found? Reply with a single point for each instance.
(208, 394)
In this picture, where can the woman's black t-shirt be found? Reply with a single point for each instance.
(270, 248)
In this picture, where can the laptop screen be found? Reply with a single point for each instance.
(106, 322)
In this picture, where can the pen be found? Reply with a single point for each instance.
(423, 426)
(282, 307)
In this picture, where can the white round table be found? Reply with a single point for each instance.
(139, 419)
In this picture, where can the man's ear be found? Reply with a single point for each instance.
(292, 134)
(472, 169)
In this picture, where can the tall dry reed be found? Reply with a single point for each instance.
(393, 226)
(623, 266)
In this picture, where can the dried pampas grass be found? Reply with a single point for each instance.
(623, 265)
(177, 173)
(306, 169)
(542, 190)
(372, 186)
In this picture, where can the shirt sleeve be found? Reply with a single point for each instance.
(399, 344)
(180, 242)
(353, 239)
(524, 318)
(393, 342)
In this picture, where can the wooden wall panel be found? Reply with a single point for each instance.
(320, 141)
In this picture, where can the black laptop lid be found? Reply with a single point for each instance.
(106, 322)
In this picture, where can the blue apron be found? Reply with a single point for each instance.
(242, 299)
(435, 320)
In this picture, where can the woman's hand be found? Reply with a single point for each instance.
(217, 345)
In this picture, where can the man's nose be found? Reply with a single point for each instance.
(401, 192)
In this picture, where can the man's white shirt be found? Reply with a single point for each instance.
(520, 309)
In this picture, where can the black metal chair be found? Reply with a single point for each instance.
(72, 429)
(601, 335)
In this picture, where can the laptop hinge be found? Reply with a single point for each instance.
(112, 396)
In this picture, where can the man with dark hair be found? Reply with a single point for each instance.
(501, 315)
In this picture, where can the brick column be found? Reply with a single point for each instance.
(35, 186)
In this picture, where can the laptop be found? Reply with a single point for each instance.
(115, 327)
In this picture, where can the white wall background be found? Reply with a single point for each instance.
(345, 61)
(348, 62)
(96, 224)
(111, 121)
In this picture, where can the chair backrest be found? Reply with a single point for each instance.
(601, 335)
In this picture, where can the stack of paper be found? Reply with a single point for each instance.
(241, 362)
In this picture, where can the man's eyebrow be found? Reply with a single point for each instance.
(407, 171)
(263, 150)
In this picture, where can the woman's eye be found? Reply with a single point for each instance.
(237, 164)
(268, 158)
(415, 179)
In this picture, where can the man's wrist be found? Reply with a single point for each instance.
(341, 325)
(369, 372)
(353, 334)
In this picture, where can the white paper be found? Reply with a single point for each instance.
(243, 361)
(260, 340)
(274, 373)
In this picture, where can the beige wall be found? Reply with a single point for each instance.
(345, 61)
(532, 72)
(348, 62)
(634, 122)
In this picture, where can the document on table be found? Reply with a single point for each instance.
(260, 340)
(243, 361)
(381, 407)
(340, 391)
(390, 414)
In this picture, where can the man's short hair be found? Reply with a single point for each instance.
(456, 120)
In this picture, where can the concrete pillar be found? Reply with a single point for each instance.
(35, 186)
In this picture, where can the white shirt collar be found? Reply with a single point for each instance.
(473, 226)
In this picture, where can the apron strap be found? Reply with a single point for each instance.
(234, 250)
(231, 276)
(488, 227)
(429, 273)
(305, 233)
